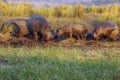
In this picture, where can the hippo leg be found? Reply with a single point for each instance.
(40, 36)
(30, 36)
(36, 36)
(77, 37)
(67, 35)
(111, 39)
(96, 37)
(70, 35)
(82, 37)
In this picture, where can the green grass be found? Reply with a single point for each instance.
(53, 63)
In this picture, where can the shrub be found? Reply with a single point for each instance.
(94, 9)
(65, 11)
(79, 11)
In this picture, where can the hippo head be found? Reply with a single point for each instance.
(59, 32)
(47, 33)
(89, 36)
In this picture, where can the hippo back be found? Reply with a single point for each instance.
(39, 27)
(105, 24)
(37, 22)
(19, 25)
(106, 29)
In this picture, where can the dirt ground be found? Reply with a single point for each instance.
(70, 43)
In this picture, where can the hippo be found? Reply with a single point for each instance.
(39, 27)
(72, 30)
(16, 27)
(105, 30)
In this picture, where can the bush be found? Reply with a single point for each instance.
(94, 9)
(65, 11)
(79, 11)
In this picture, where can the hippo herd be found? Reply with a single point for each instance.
(37, 27)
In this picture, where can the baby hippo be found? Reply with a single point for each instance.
(105, 30)
(72, 30)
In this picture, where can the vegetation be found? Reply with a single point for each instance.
(24, 9)
(59, 63)
(111, 12)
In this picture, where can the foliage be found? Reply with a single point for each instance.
(58, 63)
(110, 12)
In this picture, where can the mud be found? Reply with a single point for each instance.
(70, 43)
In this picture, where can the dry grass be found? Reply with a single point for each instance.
(111, 12)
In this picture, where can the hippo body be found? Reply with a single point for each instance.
(106, 29)
(74, 30)
(19, 27)
(39, 27)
